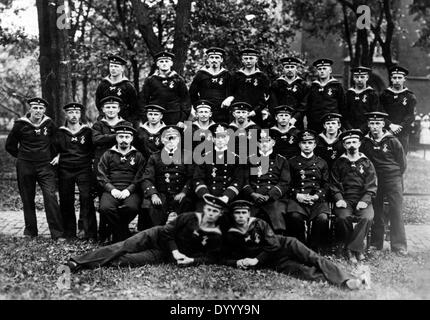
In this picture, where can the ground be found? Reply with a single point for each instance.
(31, 269)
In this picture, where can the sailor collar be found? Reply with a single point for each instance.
(206, 229)
(152, 130)
(397, 92)
(64, 128)
(325, 138)
(204, 69)
(250, 222)
(26, 119)
(196, 123)
(360, 91)
(115, 149)
(287, 81)
(119, 81)
(249, 74)
(113, 125)
(283, 132)
(329, 81)
(250, 123)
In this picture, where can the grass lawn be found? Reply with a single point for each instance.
(29, 270)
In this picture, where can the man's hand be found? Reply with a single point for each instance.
(125, 194)
(116, 194)
(292, 122)
(251, 114)
(250, 262)
(361, 205)
(180, 124)
(185, 262)
(177, 255)
(302, 198)
(155, 199)
(341, 204)
(224, 199)
(179, 197)
(240, 264)
(172, 216)
(257, 197)
(395, 128)
(55, 160)
(227, 102)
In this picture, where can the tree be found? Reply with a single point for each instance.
(324, 17)
(421, 10)
(54, 57)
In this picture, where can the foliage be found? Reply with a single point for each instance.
(421, 10)
(235, 25)
(339, 17)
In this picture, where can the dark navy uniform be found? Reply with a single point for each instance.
(120, 171)
(123, 89)
(243, 135)
(308, 176)
(167, 180)
(213, 88)
(253, 89)
(287, 144)
(329, 151)
(323, 99)
(148, 141)
(358, 103)
(282, 254)
(389, 160)
(274, 183)
(75, 167)
(169, 92)
(155, 245)
(33, 146)
(353, 182)
(400, 107)
(221, 173)
(292, 94)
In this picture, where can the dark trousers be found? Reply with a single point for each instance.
(28, 173)
(158, 214)
(392, 190)
(404, 140)
(119, 213)
(298, 260)
(67, 178)
(140, 249)
(298, 223)
(104, 231)
(346, 233)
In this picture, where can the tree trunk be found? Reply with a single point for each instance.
(182, 37)
(55, 70)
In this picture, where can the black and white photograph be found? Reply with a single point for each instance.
(217, 155)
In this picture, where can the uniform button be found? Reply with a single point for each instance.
(314, 170)
(269, 187)
(270, 175)
(303, 183)
(300, 164)
(213, 188)
(303, 189)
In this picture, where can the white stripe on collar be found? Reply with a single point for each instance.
(323, 85)
(26, 119)
(151, 130)
(360, 91)
(211, 73)
(115, 148)
(397, 92)
(120, 80)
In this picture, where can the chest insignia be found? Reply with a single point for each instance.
(214, 172)
(260, 171)
(119, 92)
(45, 131)
(248, 238)
(330, 92)
(291, 140)
(294, 89)
(333, 156)
(171, 85)
(204, 240)
(364, 98)
(82, 139)
(255, 82)
(132, 161)
(74, 139)
(257, 238)
(167, 177)
(385, 148)
(361, 169)
(405, 101)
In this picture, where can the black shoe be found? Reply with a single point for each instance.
(350, 256)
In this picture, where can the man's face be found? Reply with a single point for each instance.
(124, 140)
(249, 61)
(290, 70)
(352, 145)
(204, 114)
(154, 117)
(211, 214)
(283, 119)
(376, 126)
(73, 116)
(215, 60)
(307, 146)
(240, 116)
(111, 110)
(324, 72)
(266, 145)
(115, 70)
(164, 64)
(170, 142)
(37, 111)
(221, 140)
(332, 126)
(398, 81)
(241, 217)
(360, 80)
